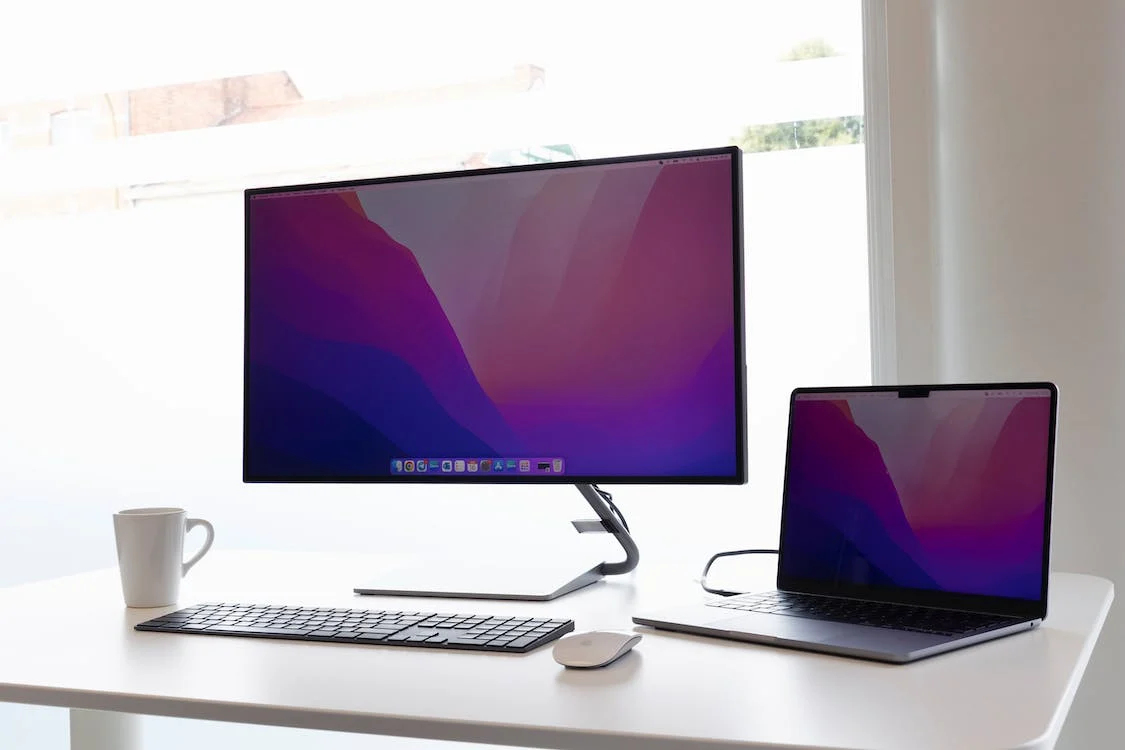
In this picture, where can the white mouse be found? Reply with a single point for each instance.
(595, 648)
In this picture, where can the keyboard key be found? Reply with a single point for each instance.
(236, 629)
(370, 638)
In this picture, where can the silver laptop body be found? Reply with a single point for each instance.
(915, 520)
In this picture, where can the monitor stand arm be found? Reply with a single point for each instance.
(607, 521)
(532, 580)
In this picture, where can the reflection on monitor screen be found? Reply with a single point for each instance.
(575, 322)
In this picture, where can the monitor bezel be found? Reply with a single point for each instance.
(739, 477)
(1004, 606)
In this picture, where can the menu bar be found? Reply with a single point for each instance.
(393, 181)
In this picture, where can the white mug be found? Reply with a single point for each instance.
(150, 553)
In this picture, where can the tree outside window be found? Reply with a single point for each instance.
(833, 131)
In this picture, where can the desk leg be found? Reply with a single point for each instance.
(104, 730)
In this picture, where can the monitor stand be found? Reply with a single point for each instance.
(535, 582)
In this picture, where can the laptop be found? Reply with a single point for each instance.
(915, 520)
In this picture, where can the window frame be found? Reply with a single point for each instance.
(899, 75)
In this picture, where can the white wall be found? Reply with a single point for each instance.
(1009, 255)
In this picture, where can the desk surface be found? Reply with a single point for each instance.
(69, 642)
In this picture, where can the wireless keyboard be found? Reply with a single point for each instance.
(381, 627)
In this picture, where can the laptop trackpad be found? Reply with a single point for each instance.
(780, 626)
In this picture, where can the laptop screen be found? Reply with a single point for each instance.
(935, 489)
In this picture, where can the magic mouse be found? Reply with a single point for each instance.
(595, 648)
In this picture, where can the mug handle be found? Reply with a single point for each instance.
(191, 524)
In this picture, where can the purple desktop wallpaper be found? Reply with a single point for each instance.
(584, 315)
(943, 493)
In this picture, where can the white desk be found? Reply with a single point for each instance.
(69, 642)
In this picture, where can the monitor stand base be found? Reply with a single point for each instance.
(517, 580)
(523, 584)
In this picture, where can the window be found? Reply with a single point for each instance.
(72, 127)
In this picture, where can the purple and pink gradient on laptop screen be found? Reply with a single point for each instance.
(587, 314)
(943, 493)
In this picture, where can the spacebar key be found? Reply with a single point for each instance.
(251, 630)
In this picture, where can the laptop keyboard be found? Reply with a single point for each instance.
(857, 612)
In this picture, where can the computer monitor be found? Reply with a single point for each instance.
(575, 322)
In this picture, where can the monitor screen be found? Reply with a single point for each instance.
(571, 322)
(944, 493)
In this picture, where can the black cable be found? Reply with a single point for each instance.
(609, 501)
(716, 556)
